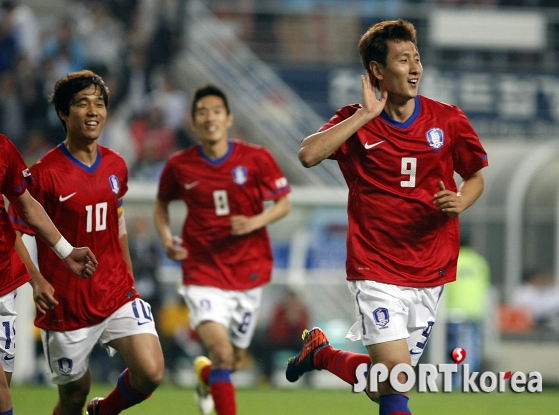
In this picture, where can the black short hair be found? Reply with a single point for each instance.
(69, 85)
(208, 90)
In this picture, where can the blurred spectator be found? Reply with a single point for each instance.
(103, 37)
(135, 82)
(539, 295)
(65, 50)
(8, 47)
(154, 142)
(172, 101)
(289, 318)
(30, 87)
(144, 253)
(160, 26)
(186, 136)
(25, 29)
(467, 301)
(11, 109)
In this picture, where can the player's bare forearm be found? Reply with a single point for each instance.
(242, 225)
(171, 244)
(43, 291)
(455, 203)
(471, 189)
(36, 218)
(319, 146)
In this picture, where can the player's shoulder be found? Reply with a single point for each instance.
(184, 155)
(348, 110)
(250, 150)
(109, 153)
(50, 158)
(438, 106)
(247, 147)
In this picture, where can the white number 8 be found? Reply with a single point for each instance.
(221, 203)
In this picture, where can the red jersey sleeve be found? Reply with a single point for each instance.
(14, 174)
(468, 155)
(273, 181)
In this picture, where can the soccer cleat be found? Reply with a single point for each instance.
(92, 406)
(302, 362)
(202, 397)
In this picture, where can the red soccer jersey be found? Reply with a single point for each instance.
(215, 190)
(83, 202)
(17, 274)
(14, 178)
(396, 235)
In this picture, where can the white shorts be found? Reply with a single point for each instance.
(236, 310)
(67, 352)
(388, 312)
(8, 331)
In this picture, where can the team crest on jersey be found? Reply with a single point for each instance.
(26, 173)
(115, 184)
(381, 317)
(65, 366)
(435, 137)
(240, 175)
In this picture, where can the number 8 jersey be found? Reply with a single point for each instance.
(84, 204)
(213, 191)
(393, 169)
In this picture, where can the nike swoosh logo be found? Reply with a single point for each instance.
(412, 352)
(65, 198)
(142, 323)
(189, 186)
(9, 357)
(370, 146)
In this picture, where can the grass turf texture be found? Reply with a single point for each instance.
(172, 400)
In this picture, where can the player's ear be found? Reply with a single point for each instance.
(376, 71)
(230, 120)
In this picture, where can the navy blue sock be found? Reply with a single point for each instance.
(395, 404)
(8, 412)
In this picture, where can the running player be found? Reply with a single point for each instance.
(225, 248)
(398, 153)
(81, 185)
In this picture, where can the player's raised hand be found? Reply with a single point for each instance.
(81, 262)
(448, 201)
(371, 103)
(43, 294)
(174, 249)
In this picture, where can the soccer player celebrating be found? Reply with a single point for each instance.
(14, 179)
(398, 154)
(81, 185)
(225, 248)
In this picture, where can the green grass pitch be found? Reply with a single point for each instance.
(173, 400)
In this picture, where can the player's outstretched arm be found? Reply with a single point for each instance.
(242, 225)
(43, 291)
(455, 203)
(80, 261)
(318, 146)
(172, 244)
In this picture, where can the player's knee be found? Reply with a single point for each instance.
(222, 356)
(153, 374)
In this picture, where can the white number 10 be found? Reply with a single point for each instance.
(100, 217)
(409, 167)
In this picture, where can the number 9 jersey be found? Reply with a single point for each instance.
(214, 191)
(393, 169)
(84, 203)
